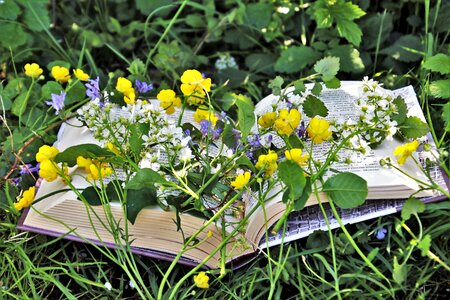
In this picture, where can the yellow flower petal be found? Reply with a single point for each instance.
(80, 75)
(33, 70)
(61, 74)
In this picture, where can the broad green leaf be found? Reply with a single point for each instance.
(328, 67)
(313, 106)
(299, 87)
(307, 191)
(9, 10)
(86, 150)
(144, 178)
(59, 63)
(76, 94)
(317, 89)
(259, 14)
(161, 7)
(446, 116)
(407, 49)
(399, 272)
(412, 206)
(372, 26)
(245, 162)
(20, 104)
(137, 67)
(347, 10)
(414, 127)
(228, 136)
(333, 83)
(346, 189)
(438, 63)
(261, 62)
(246, 115)
(318, 240)
(402, 109)
(137, 130)
(36, 15)
(93, 197)
(195, 21)
(12, 35)
(49, 88)
(138, 200)
(349, 58)
(291, 174)
(424, 245)
(295, 58)
(276, 84)
(349, 30)
(440, 88)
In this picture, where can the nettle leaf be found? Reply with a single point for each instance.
(49, 88)
(399, 272)
(295, 58)
(402, 109)
(313, 106)
(328, 67)
(438, 63)
(291, 174)
(349, 30)
(145, 178)
(414, 127)
(299, 87)
(138, 200)
(440, 88)
(424, 245)
(446, 116)
(412, 206)
(275, 85)
(317, 89)
(246, 115)
(333, 83)
(86, 150)
(347, 190)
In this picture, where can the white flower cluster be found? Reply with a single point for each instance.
(225, 61)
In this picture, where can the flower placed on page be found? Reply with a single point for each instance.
(26, 200)
(241, 180)
(94, 169)
(268, 162)
(296, 154)
(49, 170)
(202, 113)
(201, 280)
(405, 151)
(168, 100)
(318, 130)
(61, 74)
(80, 75)
(194, 86)
(267, 120)
(33, 70)
(126, 88)
(46, 152)
(287, 121)
(57, 101)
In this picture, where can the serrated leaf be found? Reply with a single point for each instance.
(12, 35)
(246, 115)
(275, 85)
(399, 272)
(299, 87)
(328, 67)
(440, 88)
(424, 245)
(414, 127)
(291, 174)
(86, 150)
(412, 206)
(438, 63)
(446, 116)
(317, 89)
(350, 60)
(349, 30)
(402, 109)
(313, 106)
(347, 190)
(295, 59)
(9, 10)
(333, 83)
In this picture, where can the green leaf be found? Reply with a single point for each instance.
(244, 161)
(246, 115)
(86, 150)
(51, 87)
(12, 35)
(137, 130)
(440, 88)
(9, 10)
(76, 94)
(346, 189)
(291, 174)
(145, 178)
(261, 62)
(438, 63)
(424, 245)
(295, 58)
(36, 15)
(349, 58)
(138, 200)
(402, 109)
(159, 7)
(412, 206)
(399, 272)
(313, 106)
(137, 67)
(299, 87)
(20, 104)
(259, 14)
(317, 89)
(60, 63)
(372, 26)
(446, 116)
(92, 196)
(414, 128)
(407, 49)
(276, 84)
(333, 83)
(349, 30)
(228, 136)
(301, 201)
(328, 67)
(195, 21)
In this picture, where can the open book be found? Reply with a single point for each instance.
(155, 232)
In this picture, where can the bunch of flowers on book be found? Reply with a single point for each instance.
(183, 152)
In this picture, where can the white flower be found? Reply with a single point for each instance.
(185, 154)
(132, 286)
(108, 286)
(216, 169)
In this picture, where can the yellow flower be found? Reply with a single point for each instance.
(287, 121)
(405, 151)
(113, 148)
(46, 152)
(241, 180)
(318, 130)
(98, 171)
(61, 74)
(267, 120)
(80, 75)
(194, 86)
(295, 154)
(267, 161)
(201, 280)
(84, 163)
(48, 170)
(126, 88)
(33, 70)
(26, 200)
(169, 100)
(202, 113)
(209, 234)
